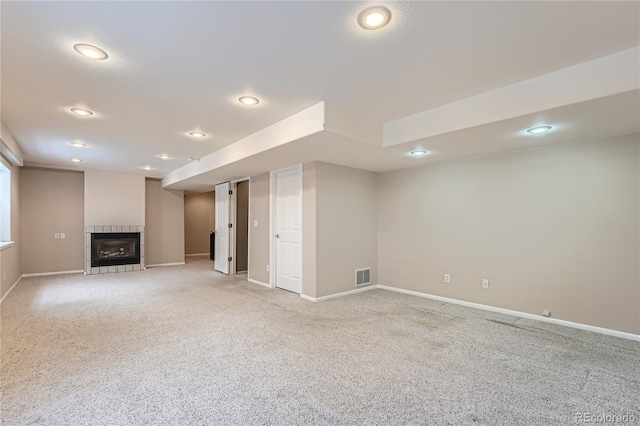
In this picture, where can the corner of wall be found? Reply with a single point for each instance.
(11, 257)
(346, 226)
(309, 229)
(259, 211)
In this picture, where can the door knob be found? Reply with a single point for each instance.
(277, 235)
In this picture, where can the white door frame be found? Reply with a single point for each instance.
(220, 246)
(233, 213)
(272, 224)
(249, 236)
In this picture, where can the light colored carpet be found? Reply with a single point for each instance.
(188, 346)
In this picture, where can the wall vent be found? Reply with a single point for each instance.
(363, 276)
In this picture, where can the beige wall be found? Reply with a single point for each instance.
(346, 226)
(11, 257)
(52, 202)
(259, 236)
(309, 229)
(339, 227)
(242, 225)
(164, 228)
(199, 220)
(113, 198)
(554, 228)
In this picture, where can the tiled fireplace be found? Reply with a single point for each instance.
(113, 249)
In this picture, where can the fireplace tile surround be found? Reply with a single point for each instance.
(88, 270)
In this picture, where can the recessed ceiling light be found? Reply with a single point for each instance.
(147, 168)
(539, 129)
(81, 112)
(78, 144)
(419, 153)
(90, 51)
(374, 17)
(165, 156)
(76, 160)
(249, 100)
(197, 134)
(192, 159)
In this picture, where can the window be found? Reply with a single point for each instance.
(5, 206)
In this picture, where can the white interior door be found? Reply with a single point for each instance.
(288, 229)
(221, 258)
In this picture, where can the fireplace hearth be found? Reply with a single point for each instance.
(115, 248)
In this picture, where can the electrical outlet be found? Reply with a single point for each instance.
(485, 283)
(56, 236)
(447, 278)
(255, 223)
(546, 313)
(267, 268)
(62, 236)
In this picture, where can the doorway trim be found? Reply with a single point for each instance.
(272, 222)
(220, 212)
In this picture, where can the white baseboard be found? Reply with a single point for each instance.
(251, 280)
(344, 293)
(39, 274)
(196, 254)
(556, 321)
(165, 264)
(46, 274)
(12, 287)
(571, 324)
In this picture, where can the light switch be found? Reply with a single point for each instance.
(56, 236)
(62, 236)
(255, 223)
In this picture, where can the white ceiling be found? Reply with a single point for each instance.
(572, 123)
(180, 66)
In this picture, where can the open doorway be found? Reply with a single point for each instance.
(242, 227)
(199, 222)
(232, 227)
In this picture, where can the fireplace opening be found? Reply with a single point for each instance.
(115, 248)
